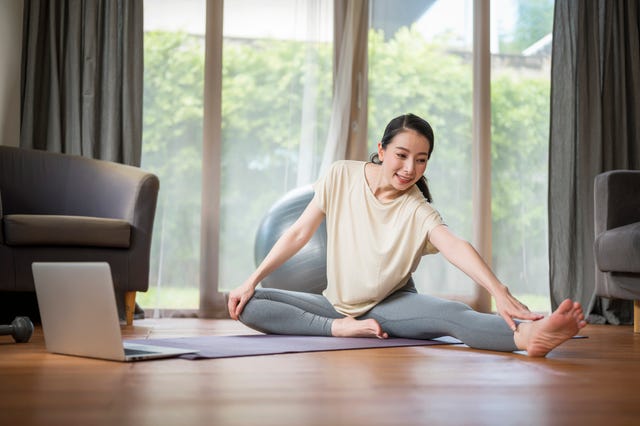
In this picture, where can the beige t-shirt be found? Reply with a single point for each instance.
(372, 247)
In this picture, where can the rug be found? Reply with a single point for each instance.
(261, 344)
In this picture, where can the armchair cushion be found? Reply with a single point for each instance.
(57, 230)
(618, 249)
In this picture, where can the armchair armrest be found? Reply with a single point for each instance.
(127, 193)
(616, 199)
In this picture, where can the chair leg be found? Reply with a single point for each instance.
(636, 316)
(129, 306)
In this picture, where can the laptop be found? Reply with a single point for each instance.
(79, 315)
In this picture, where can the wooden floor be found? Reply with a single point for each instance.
(590, 381)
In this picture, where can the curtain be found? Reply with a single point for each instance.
(347, 137)
(595, 127)
(82, 69)
(10, 50)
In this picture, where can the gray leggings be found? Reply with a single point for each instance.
(404, 313)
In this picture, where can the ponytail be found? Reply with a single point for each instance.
(424, 188)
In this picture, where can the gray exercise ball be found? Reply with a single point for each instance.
(306, 270)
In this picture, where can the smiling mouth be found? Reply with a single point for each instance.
(403, 180)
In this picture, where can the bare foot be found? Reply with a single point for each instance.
(351, 327)
(538, 338)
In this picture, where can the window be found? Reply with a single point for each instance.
(277, 71)
(276, 100)
(520, 93)
(172, 147)
(420, 62)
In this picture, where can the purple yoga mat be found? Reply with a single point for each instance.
(261, 344)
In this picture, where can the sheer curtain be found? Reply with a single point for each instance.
(347, 138)
(276, 103)
(82, 78)
(235, 116)
(595, 127)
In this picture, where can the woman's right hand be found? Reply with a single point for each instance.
(238, 298)
(289, 243)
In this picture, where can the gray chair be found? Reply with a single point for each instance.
(617, 237)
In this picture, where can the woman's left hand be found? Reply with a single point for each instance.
(509, 307)
(464, 256)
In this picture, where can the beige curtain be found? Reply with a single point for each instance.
(347, 137)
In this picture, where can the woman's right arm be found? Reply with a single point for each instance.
(287, 245)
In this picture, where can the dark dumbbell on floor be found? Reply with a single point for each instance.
(21, 329)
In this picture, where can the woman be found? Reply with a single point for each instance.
(379, 224)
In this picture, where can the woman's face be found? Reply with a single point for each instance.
(404, 159)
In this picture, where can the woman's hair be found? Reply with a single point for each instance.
(402, 124)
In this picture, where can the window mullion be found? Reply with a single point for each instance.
(481, 140)
(211, 299)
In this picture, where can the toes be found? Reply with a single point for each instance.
(569, 307)
(566, 306)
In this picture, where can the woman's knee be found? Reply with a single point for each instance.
(252, 314)
(262, 293)
(254, 310)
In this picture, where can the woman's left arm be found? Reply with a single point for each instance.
(462, 255)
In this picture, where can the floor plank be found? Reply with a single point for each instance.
(585, 381)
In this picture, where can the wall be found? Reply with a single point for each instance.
(10, 57)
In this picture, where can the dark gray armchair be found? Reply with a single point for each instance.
(617, 237)
(67, 208)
